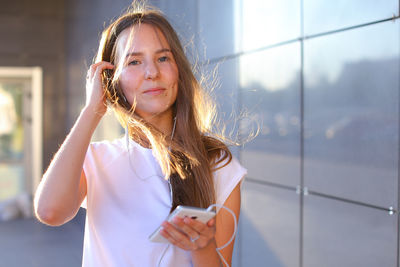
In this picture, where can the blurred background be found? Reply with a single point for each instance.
(319, 80)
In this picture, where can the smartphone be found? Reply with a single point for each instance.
(199, 214)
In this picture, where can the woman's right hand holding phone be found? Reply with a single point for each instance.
(95, 98)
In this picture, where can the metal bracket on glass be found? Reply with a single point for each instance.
(303, 191)
(298, 189)
(391, 211)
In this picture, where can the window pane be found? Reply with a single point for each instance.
(321, 16)
(269, 226)
(270, 96)
(341, 234)
(216, 28)
(222, 82)
(268, 22)
(351, 114)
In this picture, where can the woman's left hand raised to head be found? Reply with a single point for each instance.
(188, 233)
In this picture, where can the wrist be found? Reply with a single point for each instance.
(207, 254)
(93, 112)
(212, 245)
(91, 115)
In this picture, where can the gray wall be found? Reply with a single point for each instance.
(32, 34)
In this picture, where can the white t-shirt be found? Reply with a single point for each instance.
(127, 199)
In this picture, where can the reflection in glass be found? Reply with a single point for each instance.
(270, 95)
(321, 16)
(267, 22)
(342, 234)
(11, 140)
(222, 83)
(269, 228)
(215, 28)
(351, 114)
(233, 26)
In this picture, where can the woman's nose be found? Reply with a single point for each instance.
(151, 71)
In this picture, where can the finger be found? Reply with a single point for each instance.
(197, 226)
(174, 242)
(173, 232)
(97, 68)
(176, 237)
(185, 228)
(171, 239)
(92, 69)
(167, 236)
(101, 67)
(211, 223)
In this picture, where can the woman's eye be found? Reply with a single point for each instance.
(163, 59)
(134, 62)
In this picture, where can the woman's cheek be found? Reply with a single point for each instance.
(129, 83)
(172, 71)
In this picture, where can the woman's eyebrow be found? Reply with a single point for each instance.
(159, 51)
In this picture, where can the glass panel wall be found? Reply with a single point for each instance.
(323, 16)
(225, 92)
(265, 23)
(343, 234)
(270, 92)
(351, 114)
(215, 28)
(268, 234)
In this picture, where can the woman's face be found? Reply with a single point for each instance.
(148, 72)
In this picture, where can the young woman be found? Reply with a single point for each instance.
(167, 158)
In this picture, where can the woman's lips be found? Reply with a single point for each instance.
(154, 91)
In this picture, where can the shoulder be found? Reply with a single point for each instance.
(106, 146)
(227, 175)
(105, 150)
(229, 167)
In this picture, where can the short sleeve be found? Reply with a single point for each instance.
(227, 178)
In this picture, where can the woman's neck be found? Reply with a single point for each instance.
(162, 122)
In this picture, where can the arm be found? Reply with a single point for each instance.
(224, 231)
(63, 186)
(225, 223)
(211, 235)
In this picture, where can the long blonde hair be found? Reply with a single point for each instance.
(193, 154)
